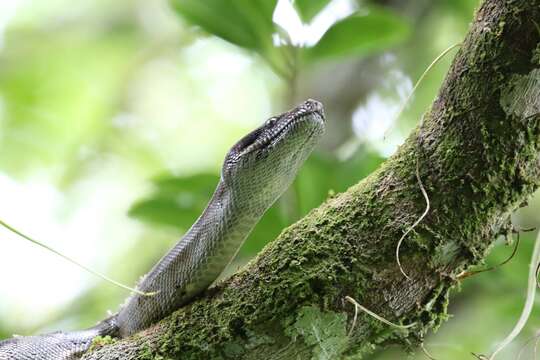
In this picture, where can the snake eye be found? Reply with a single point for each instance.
(271, 122)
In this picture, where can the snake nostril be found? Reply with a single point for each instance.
(314, 105)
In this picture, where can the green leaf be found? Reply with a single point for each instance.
(176, 201)
(307, 9)
(360, 34)
(246, 23)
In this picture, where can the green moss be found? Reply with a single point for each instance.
(233, 350)
(100, 341)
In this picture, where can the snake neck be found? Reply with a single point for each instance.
(226, 222)
(195, 261)
(215, 237)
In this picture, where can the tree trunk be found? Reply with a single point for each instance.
(478, 158)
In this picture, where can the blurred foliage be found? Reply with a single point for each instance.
(307, 9)
(46, 81)
(248, 24)
(361, 34)
(128, 107)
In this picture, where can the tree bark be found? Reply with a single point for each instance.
(478, 157)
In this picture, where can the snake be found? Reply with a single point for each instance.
(256, 171)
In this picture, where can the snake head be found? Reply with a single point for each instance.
(266, 160)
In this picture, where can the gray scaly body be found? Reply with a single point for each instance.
(256, 171)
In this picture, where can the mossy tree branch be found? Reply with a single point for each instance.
(478, 152)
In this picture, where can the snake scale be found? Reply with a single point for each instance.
(256, 171)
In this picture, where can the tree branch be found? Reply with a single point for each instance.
(479, 158)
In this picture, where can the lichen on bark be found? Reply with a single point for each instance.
(521, 97)
(479, 158)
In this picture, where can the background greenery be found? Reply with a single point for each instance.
(115, 117)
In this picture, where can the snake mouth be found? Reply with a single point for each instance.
(290, 124)
(259, 139)
(272, 140)
(309, 110)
